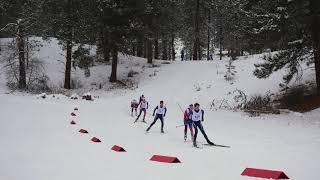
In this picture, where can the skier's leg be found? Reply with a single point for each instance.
(185, 130)
(144, 114)
(154, 121)
(131, 111)
(195, 134)
(139, 115)
(162, 123)
(191, 129)
(204, 133)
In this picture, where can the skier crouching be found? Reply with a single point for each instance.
(160, 112)
(188, 122)
(198, 116)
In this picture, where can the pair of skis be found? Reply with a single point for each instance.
(206, 144)
(213, 145)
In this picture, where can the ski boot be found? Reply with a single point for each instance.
(162, 131)
(185, 137)
(195, 144)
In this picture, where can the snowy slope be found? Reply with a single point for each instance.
(52, 56)
(37, 141)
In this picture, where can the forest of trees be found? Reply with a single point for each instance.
(152, 28)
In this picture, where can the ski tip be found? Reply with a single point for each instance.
(217, 145)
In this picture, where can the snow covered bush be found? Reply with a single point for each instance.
(131, 73)
(258, 104)
(34, 73)
(76, 83)
(231, 72)
(39, 84)
(197, 87)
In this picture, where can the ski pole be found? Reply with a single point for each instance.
(180, 107)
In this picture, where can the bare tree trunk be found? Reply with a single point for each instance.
(106, 46)
(199, 52)
(133, 49)
(27, 53)
(22, 69)
(113, 77)
(169, 51)
(173, 53)
(314, 6)
(149, 51)
(195, 50)
(208, 36)
(196, 28)
(164, 49)
(156, 49)
(145, 49)
(220, 34)
(67, 76)
(139, 47)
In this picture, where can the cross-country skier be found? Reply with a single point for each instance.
(143, 108)
(188, 122)
(198, 116)
(159, 112)
(134, 106)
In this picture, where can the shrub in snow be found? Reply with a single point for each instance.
(301, 98)
(258, 104)
(131, 73)
(29, 75)
(76, 83)
(74, 96)
(42, 95)
(231, 72)
(154, 66)
(87, 96)
(238, 100)
(154, 74)
(39, 84)
(165, 62)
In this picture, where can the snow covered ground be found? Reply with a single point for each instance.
(37, 141)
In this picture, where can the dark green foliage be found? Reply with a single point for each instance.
(83, 60)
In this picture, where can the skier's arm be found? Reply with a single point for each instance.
(202, 111)
(154, 111)
(165, 111)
